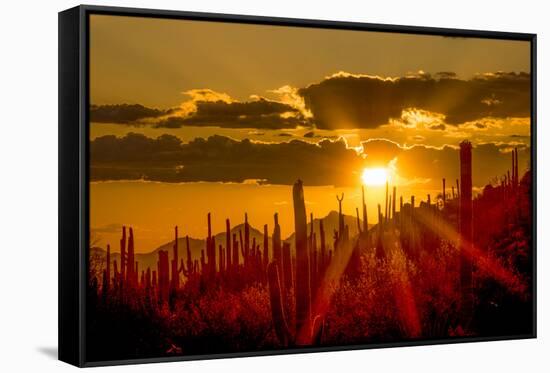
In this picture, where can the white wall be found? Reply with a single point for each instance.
(28, 183)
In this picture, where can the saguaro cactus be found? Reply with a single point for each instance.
(123, 256)
(210, 250)
(276, 239)
(277, 306)
(517, 167)
(358, 221)
(287, 267)
(190, 269)
(323, 259)
(235, 252)
(130, 260)
(221, 259)
(466, 229)
(307, 330)
(108, 267)
(175, 271)
(265, 255)
(386, 207)
(246, 238)
(365, 217)
(303, 286)
(228, 244)
(340, 215)
(116, 276)
(444, 195)
(163, 277)
(394, 197)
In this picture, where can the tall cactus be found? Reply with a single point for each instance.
(276, 239)
(365, 217)
(277, 306)
(210, 250)
(246, 238)
(517, 167)
(340, 214)
(190, 268)
(444, 195)
(303, 286)
(175, 261)
(163, 276)
(266, 248)
(394, 197)
(358, 221)
(235, 248)
(130, 261)
(513, 167)
(323, 259)
(221, 259)
(228, 244)
(287, 267)
(116, 275)
(123, 257)
(386, 207)
(307, 330)
(466, 229)
(108, 267)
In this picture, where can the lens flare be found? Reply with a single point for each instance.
(374, 176)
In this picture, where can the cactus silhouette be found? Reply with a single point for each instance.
(466, 229)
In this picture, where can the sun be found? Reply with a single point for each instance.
(374, 176)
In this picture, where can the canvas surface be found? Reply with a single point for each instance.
(258, 188)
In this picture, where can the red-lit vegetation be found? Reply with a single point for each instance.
(452, 266)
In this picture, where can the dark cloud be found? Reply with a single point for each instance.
(261, 113)
(344, 101)
(432, 163)
(380, 151)
(347, 101)
(124, 113)
(223, 159)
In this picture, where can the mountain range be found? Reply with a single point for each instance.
(145, 260)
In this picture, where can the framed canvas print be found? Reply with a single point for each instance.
(238, 186)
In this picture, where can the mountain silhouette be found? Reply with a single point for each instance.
(330, 223)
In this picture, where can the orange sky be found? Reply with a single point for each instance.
(176, 66)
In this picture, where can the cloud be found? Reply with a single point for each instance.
(379, 152)
(221, 159)
(260, 113)
(423, 162)
(345, 101)
(205, 95)
(363, 101)
(108, 228)
(327, 162)
(124, 113)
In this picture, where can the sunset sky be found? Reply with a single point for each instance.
(189, 117)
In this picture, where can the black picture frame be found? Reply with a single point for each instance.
(74, 173)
